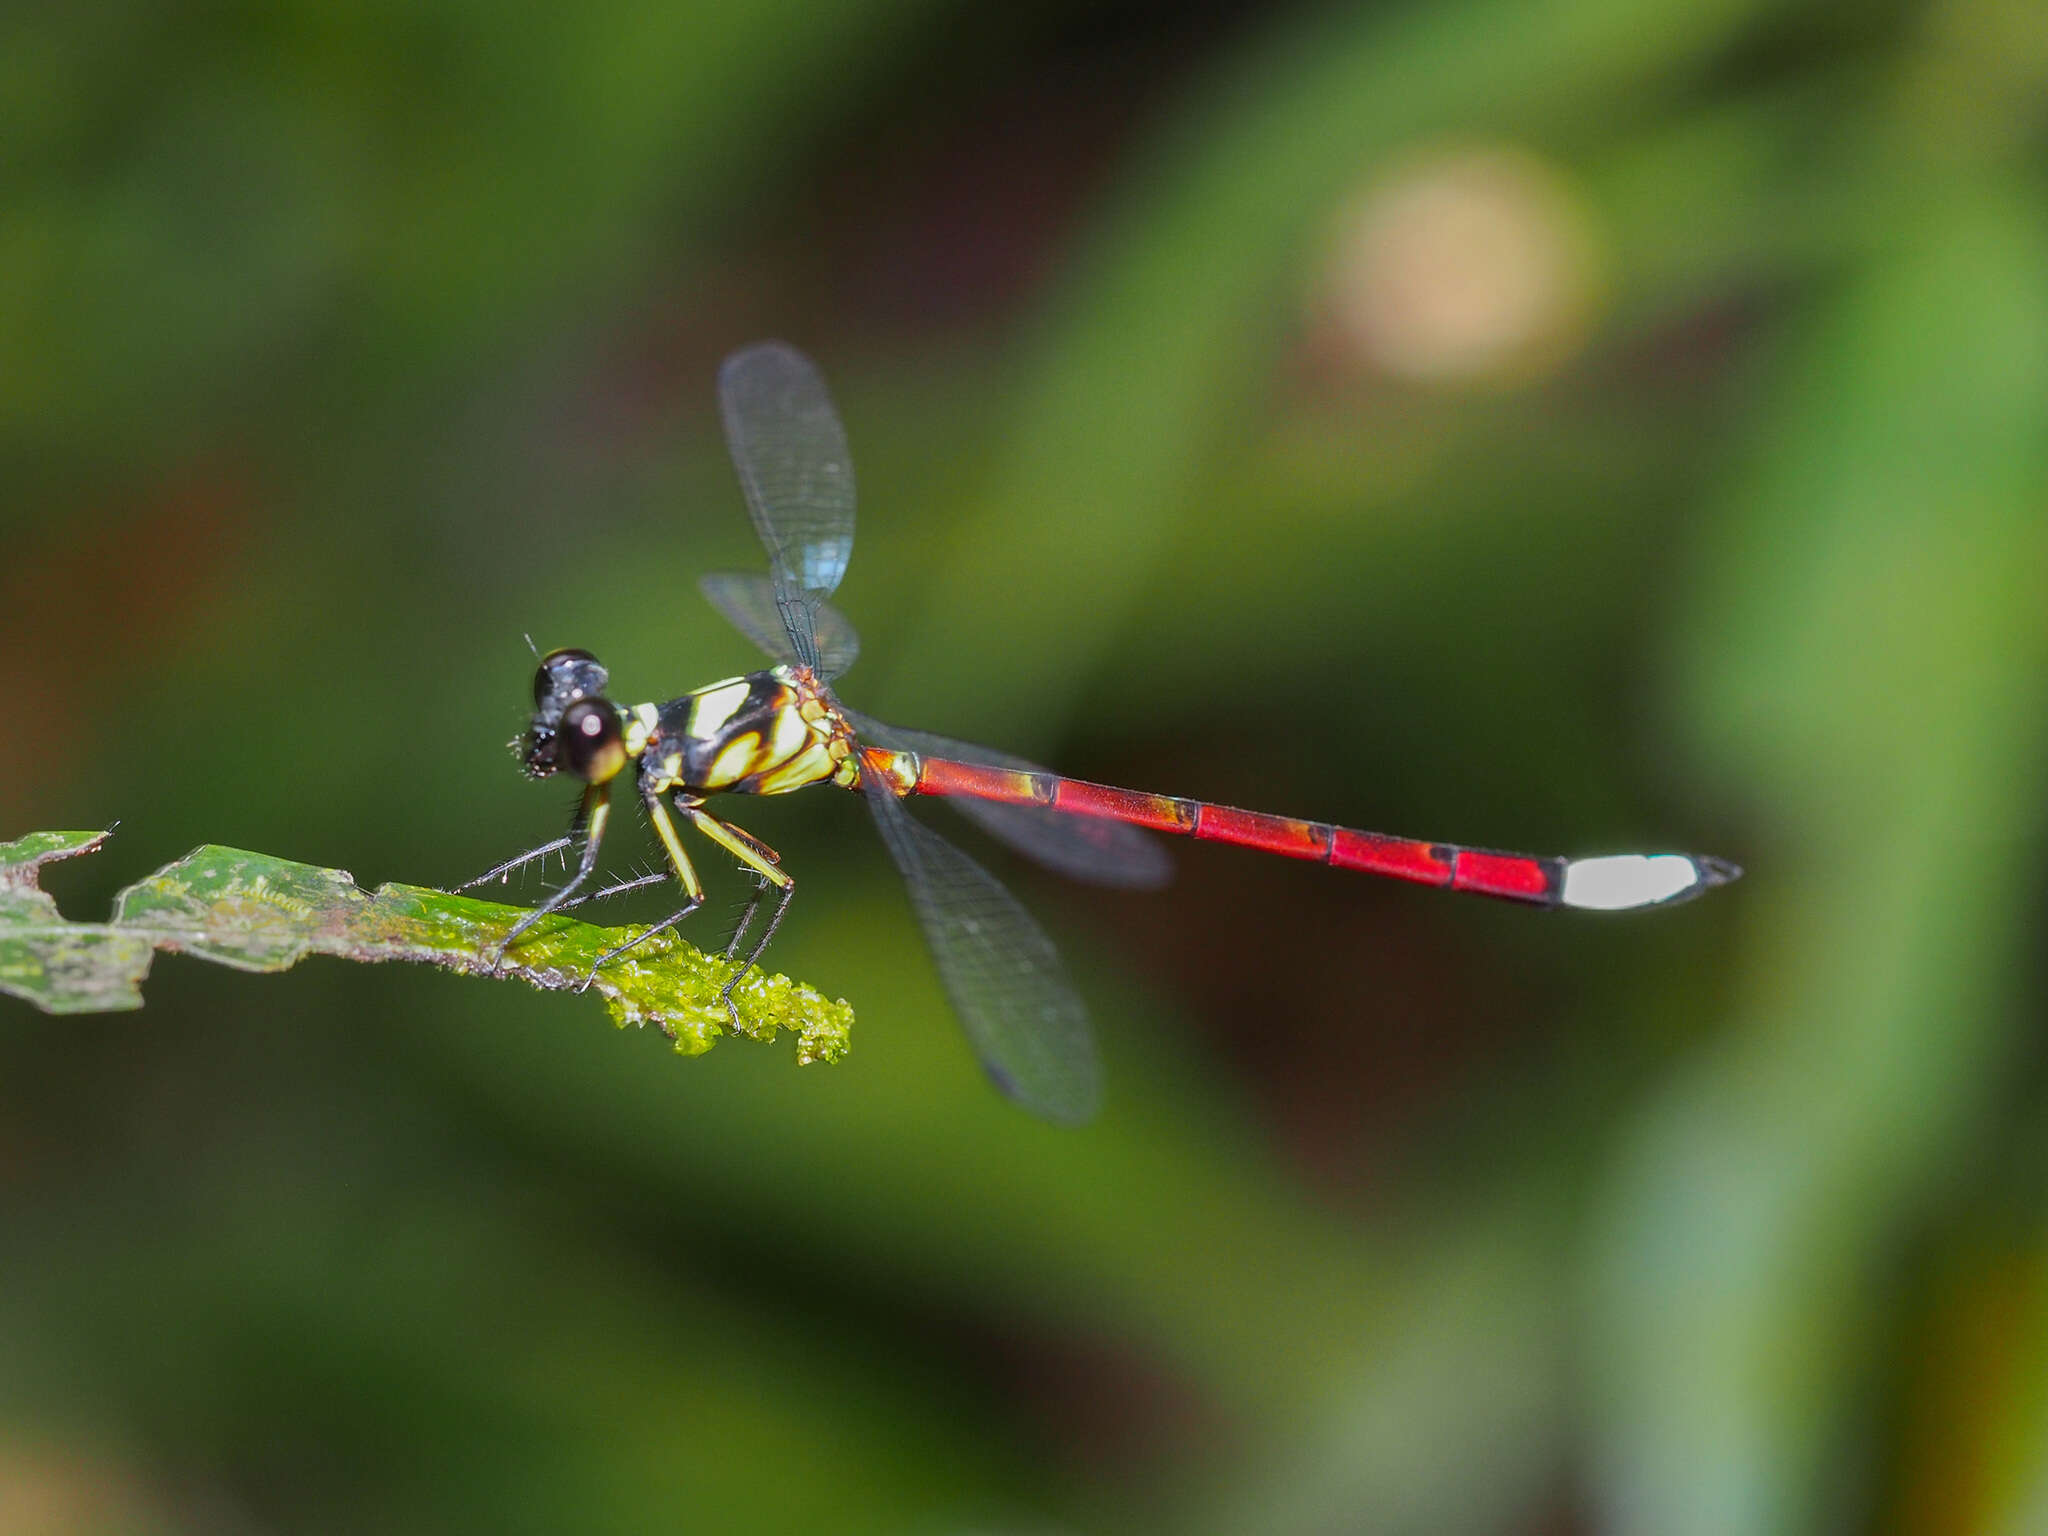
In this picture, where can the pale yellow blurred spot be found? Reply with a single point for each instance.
(1477, 265)
(55, 1492)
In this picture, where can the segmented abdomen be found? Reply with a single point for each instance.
(1508, 876)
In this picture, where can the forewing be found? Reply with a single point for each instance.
(1001, 972)
(791, 455)
(749, 602)
(1084, 848)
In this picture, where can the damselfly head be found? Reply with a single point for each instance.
(575, 727)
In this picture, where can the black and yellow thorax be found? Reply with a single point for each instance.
(767, 733)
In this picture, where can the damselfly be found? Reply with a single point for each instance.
(784, 729)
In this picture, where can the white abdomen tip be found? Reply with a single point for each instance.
(1628, 880)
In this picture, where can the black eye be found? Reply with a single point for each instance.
(588, 741)
(567, 673)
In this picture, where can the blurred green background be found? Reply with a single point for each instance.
(1571, 426)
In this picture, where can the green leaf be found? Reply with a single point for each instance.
(258, 913)
(59, 966)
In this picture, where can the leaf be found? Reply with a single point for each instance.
(257, 913)
(59, 966)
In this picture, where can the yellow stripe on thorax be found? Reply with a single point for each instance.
(716, 705)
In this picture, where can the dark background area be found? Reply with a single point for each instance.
(1574, 427)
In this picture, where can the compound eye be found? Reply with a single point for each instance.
(568, 671)
(589, 742)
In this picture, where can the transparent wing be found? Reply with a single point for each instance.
(749, 602)
(790, 452)
(1000, 970)
(1083, 848)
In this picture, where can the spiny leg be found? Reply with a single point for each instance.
(592, 812)
(761, 884)
(761, 945)
(732, 945)
(577, 823)
(520, 861)
(763, 861)
(685, 872)
(655, 877)
(672, 920)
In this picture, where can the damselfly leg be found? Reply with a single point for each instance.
(739, 931)
(764, 881)
(679, 862)
(749, 850)
(766, 864)
(520, 861)
(638, 882)
(592, 813)
(732, 945)
(674, 919)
